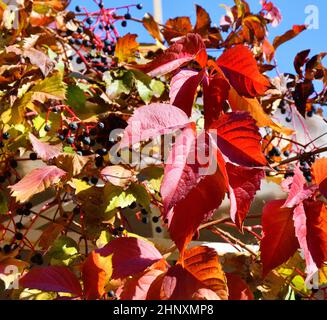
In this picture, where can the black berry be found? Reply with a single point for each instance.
(6, 248)
(33, 156)
(47, 128)
(73, 126)
(78, 9)
(128, 16)
(19, 226)
(124, 24)
(19, 236)
(158, 229)
(6, 135)
(139, 6)
(155, 219)
(13, 163)
(94, 180)
(70, 140)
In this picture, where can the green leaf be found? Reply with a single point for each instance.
(76, 97)
(3, 203)
(117, 85)
(148, 87)
(152, 176)
(63, 252)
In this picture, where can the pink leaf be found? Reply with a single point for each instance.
(272, 12)
(151, 121)
(183, 88)
(300, 224)
(245, 183)
(238, 138)
(44, 150)
(191, 47)
(130, 256)
(298, 191)
(54, 278)
(181, 170)
(36, 181)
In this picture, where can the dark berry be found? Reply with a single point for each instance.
(33, 156)
(26, 212)
(37, 259)
(29, 205)
(79, 153)
(124, 24)
(94, 180)
(78, 9)
(6, 248)
(155, 219)
(286, 153)
(93, 132)
(6, 135)
(73, 126)
(158, 229)
(70, 140)
(86, 43)
(1, 144)
(89, 21)
(145, 220)
(79, 30)
(20, 211)
(133, 205)
(310, 114)
(79, 60)
(139, 6)
(19, 236)
(289, 119)
(71, 41)
(283, 111)
(143, 211)
(13, 163)
(47, 128)
(19, 226)
(99, 162)
(166, 221)
(121, 228)
(101, 125)
(86, 140)
(128, 16)
(111, 294)
(69, 32)
(85, 179)
(78, 42)
(61, 137)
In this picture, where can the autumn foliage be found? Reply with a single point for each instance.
(99, 132)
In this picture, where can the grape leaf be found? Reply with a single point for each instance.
(241, 69)
(279, 242)
(237, 287)
(44, 150)
(36, 181)
(126, 48)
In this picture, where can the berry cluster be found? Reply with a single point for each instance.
(94, 40)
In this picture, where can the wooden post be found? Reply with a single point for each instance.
(157, 9)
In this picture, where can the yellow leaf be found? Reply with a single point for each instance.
(126, 48)
(255, 109)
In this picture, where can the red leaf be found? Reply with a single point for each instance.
(96, 272)
(290, 34)
(130, 256)
(238, 138)
(240, 67)
(203, 21)
(137, 288)
(185, 218)
(180, 284)
(181, 170)
(44, 150)
(300, 224)
(183, 88)
(36, 181)
(191, 47)
(237, 287)
(54, 278)
(316, 213)
(319, 171)
(298, 192)
(245, 183)
(215, 94)
(151, 121)
(279, 242)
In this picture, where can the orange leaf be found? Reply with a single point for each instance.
(203, 21)
(126, 48)
(319, 171)
(152, 27)
(177, 27)
(203, 263)
(241, 69)
(35, 182)
(290, 34)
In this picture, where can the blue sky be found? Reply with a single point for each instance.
(293, 12)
